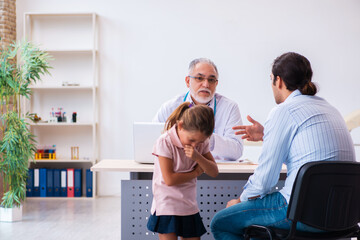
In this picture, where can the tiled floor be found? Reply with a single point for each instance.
(66, 218)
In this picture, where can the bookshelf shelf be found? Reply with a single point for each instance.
(59, 14)
(89, 124)
(63, 161)
(39, 87)
(71, 51)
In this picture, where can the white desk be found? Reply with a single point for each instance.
(136, 195)
(119, 165)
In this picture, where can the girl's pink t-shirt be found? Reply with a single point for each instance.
(180, 199)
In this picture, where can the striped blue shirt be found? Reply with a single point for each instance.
(301, 129)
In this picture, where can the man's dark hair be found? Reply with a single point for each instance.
(295, 70)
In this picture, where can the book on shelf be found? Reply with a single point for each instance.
(42, 182)
(77, 183)
(89, 183)
(57, 180)
(49, 182)
(70, 182)
(63, 187)
(30, 183)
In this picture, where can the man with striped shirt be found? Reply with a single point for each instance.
(301, 128)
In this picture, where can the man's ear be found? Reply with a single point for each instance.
(279, 82)
(187, 81)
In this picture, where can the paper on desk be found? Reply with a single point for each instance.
(240, 160)
(250, 155)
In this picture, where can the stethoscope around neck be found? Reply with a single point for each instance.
(187, 94)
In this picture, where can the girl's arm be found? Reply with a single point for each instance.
(206, 161)
(172, 178)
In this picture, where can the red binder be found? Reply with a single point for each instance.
(70, 182)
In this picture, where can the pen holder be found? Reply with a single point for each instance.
(74, 153)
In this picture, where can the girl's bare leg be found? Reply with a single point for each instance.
(167, 236)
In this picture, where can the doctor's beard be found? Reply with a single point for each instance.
(202, 100)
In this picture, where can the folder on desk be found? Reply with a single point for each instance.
(49, 182)
(77, 183)
(70, 182)
(30, 183)
(89, 183)
(63, 186)
(42, 173)
(56, 183)
(36, 188)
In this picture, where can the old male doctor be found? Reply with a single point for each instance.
(202, 81)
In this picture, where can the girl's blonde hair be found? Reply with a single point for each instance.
(194, 118)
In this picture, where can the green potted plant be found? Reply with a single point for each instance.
(21, 64)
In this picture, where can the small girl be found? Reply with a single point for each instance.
(182, 154)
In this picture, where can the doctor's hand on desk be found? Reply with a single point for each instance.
(254, 132)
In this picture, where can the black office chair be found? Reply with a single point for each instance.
(325, 195)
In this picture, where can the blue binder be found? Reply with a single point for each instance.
(77, 183)
(49, 182)
(57, 180)
(42, 182)
(89, 183)
(36, 188)
(63, 183)
(30, 183)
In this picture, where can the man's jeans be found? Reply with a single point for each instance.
(229, 223)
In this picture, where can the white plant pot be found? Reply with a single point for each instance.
(11, 214)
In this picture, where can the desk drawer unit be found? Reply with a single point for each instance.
(136, 198)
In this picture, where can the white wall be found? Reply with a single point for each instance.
(145, 47)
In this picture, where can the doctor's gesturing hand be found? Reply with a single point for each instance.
(254, 132)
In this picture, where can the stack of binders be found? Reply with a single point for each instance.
(45, 182)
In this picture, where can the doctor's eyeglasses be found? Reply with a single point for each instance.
(199, 79)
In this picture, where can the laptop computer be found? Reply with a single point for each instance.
(145, 135)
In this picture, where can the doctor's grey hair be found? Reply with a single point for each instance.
(202, 60)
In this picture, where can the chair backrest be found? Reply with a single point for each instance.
(326, 195)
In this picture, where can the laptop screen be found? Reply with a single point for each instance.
(145, 135)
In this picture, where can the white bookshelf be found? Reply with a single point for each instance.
(71, 39)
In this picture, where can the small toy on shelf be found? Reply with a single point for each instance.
(34, 117)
